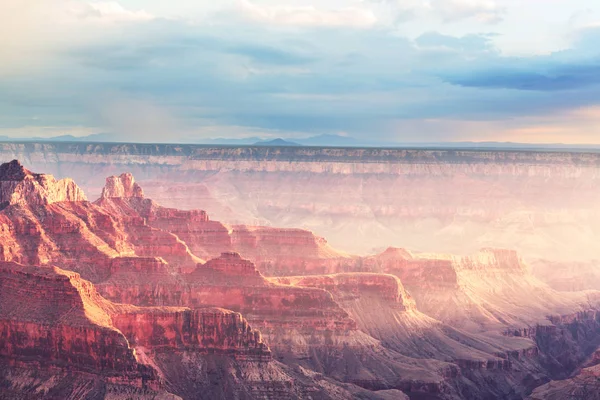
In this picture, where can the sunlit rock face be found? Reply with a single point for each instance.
(176, 302)
(19, 186)
(123, 185)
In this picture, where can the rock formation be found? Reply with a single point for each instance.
(148, 301)
(585, 385)
(122, 186)
(66, 340)
(19, 186)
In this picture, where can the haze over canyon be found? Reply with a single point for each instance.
(218, 272)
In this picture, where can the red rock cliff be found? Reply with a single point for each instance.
(351, 285)
(122, 186)
(204, 330)
(51, 315)
(20, 186)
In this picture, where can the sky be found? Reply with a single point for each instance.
(379, 71)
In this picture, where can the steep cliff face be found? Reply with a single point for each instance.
(382, 307)
(151, 228)
(275, 250)
(570, 343)
(52, 317)
(19, 186)
(65, 319)
(207, 330)
(75, 235)
(303, 326)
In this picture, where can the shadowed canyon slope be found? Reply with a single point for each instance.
(129, 297)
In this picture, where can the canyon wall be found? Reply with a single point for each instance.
(361, 199)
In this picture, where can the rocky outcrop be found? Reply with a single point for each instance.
(122, 186)
(66, 327)
(77, 235)
(66, 316)
(279, 251)
(228, 269)
(423, 272)
(302, 325)
(19, 186)
(274, 250)
(51, 316)
(489, 260)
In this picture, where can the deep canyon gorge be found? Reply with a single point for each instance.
(195, 272)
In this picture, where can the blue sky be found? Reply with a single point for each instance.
(377, 70)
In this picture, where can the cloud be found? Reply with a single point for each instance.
(268, 55)
(109, 12)
(577, 68)
(157, 79)
(37, 31)
(449, 11)
(165, 49)
(308, 16)
(468, 43)
(548, 76)
(573, 126)
(485, 11)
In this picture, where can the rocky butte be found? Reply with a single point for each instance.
(124, 298)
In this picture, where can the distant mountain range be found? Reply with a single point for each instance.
(320, 141)
(276, 142)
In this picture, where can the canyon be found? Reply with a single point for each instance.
(147, 292)
(361, 200)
